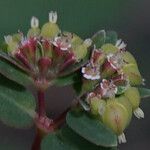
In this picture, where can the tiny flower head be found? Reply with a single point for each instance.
(91, 72)
(120, 45)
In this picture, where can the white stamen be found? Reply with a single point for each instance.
(84, 105)
(122, 138)
(120, 44)
(88, 42)
(8, 39)
(96, 77)
(53, 17)
(139, 113)
(143, 82)
(34, 22)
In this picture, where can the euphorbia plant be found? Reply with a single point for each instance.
(104, 75)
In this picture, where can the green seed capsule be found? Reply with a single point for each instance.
(116, 116)
(50, 29)
(109, 48)
(129, 58)
(80, 51)
(132, 71)
(97, 106)
(133, 95)
(126, 103)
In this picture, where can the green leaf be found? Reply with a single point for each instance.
(66, 139)
(99, 38)
(144, 92)
(111, 37)
(17, 105)
(91, 129)
(102, 37)
(13, 73)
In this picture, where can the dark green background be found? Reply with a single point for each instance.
(130, 18)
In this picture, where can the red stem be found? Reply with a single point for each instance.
(41, 103)
(37, 142)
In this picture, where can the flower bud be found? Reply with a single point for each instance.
(132, 71)
(44, 63)
(133, 95)
(50, 29)
(11, 44)
(97, 57)
(34, 30)
(109, 49)
(116, 116)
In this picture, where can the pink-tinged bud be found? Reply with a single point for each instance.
(69, 60)
(47, 47)
(97, 57)
(23, 60)
(44, 63)
(91, 72)
(28, 47)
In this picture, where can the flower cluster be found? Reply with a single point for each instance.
(114, 73)
(45, 53)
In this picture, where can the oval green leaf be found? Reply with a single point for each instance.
(144, 92)
(91, 129)
(66, 139)
(17, 105)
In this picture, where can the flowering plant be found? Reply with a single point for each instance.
(103, 73)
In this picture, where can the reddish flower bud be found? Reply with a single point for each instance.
(44, 64)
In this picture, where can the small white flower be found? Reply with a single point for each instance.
(139, 113)
(53, 17)
(91, 72)
(108, 89)
(122, 138)
(120, 44)
(62, 42)
(116, 60)
(34, 22)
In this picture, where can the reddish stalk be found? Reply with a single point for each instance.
(41, 113)
(41, 104)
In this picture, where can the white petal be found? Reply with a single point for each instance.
(8, 39)
(53, 17)
(122, 138)
(139, 113)
(88, 42)
(34, 22)
(118, 42)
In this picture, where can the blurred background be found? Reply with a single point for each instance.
(130, 18)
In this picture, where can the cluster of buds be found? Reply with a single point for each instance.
(114, 73)
(45, 53)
